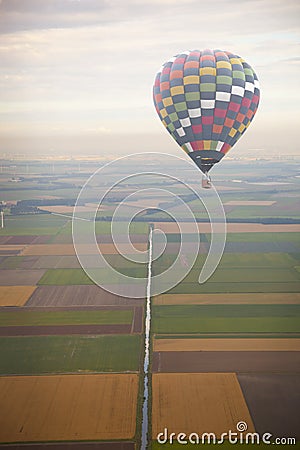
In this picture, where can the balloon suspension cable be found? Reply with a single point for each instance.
(206, 181)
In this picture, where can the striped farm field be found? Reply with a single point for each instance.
(15, 295)
(190, 345)
(180, 319)
(6, 250)
(197, 402)
(68, 249)
(68, 407)
(229, 299)
(171, 227)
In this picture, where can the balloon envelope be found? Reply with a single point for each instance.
(206, 100)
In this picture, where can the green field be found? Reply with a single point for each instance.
(227, 319)
(32, 224)
(67, 277)
(240, 272)
(248, 275)
(233, 287)
(262, 237)
(61, 354)
(50, 224)
(97, 317)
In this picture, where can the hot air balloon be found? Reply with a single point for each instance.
(206, 100)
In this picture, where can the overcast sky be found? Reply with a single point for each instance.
(76, 75)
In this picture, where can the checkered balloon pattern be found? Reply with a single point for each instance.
(206, 99)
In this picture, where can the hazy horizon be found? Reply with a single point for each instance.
(77, 75)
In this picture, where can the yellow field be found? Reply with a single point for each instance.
(171, 227)
(197, 402)
(68, 249)
(250, 203)
(15, 295)
(210, 345)
(68, 407)
(228, 299)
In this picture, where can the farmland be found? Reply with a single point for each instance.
(197, 402)
(15, 295)
(221, 352)
(227, 361)
(240, 319)
(31, 355)
(46, 225)
(32, 317)
(18, 277)
(77, 296)
(243, 322)
(68, 277)
(225, 299)
(93, 399)
(188, 345)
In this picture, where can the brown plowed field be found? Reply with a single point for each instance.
(9, 252)
(28, 262)
(4, 239)
(173, 248)
(54, 330)
(23, 240)
(72, 446)
(73, 308)
(169, 227)
(137, 323)
(51, 262)
(19, 277)
(15, 295)
(135, 238)
(197, 402)
(228, 299)
(190, 345)
(68, 407)
(237, 361)
(20, 240)
(273, 401)
(77, 296)
(134, 289)
(42, 239)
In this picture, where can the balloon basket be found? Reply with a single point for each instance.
(206, 181)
